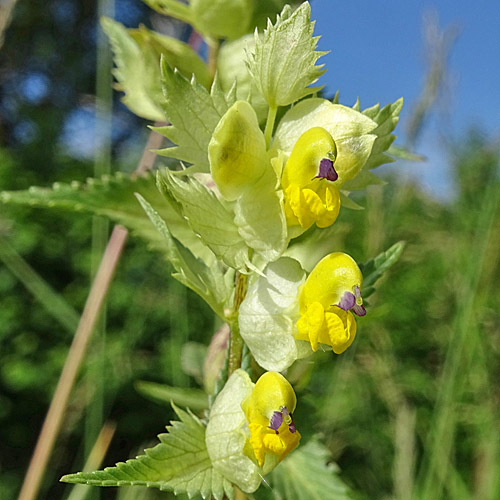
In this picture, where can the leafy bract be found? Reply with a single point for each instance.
(268, 315)
(193, 113)
(387, 119)
(212, 221)
(374, 268)
(113, 197)
(284, 63)
(226, 437)
(137, 57)
(180, 463)
(306, 475)
(264, 10)
(209, 282)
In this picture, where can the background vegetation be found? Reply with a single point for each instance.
(411, 411)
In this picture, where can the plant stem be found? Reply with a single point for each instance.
(271, 117)
(235, 341)
(213, 54)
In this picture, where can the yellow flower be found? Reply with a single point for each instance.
(330, 293)
(268, 410)
(308, 181)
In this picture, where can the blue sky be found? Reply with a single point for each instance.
(378, 53)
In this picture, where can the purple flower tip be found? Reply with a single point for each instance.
(359, 310)
(276, 421)
(347, 301)
(327, 171)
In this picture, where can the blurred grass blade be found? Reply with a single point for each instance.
(94, 460)
(195, 399)
(53, 302)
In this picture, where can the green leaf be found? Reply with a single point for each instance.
(387, 119)
(268, 315)
(222, 18)
(284, 63)
(137, 57)
(194, 113)
(207, 217)
(306, 475)
(208, 282)
(172, 8)
(180, 463)
(362, 180)
(191, 398)
(374, 268)
(113, 197)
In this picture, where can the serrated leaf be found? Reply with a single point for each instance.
(193, 113)
(264, 10)
(268, 314)
(114, 197)
(284, 63)
(306, 474)
(374, 268)
(172, 8)
(207, 217)
(195, 399)
(137, 58)
(207, 281)
(387, 119)
(180, 463)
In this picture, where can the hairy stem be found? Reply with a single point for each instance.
(271, 117)
(235, 341)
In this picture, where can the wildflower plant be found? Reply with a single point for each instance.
(241, 188)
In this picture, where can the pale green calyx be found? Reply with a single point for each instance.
(237, 151)
(268, 315)
(227, 434)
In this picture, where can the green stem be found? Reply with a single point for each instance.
(213, 54)
(235, 341)
(271, 117)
